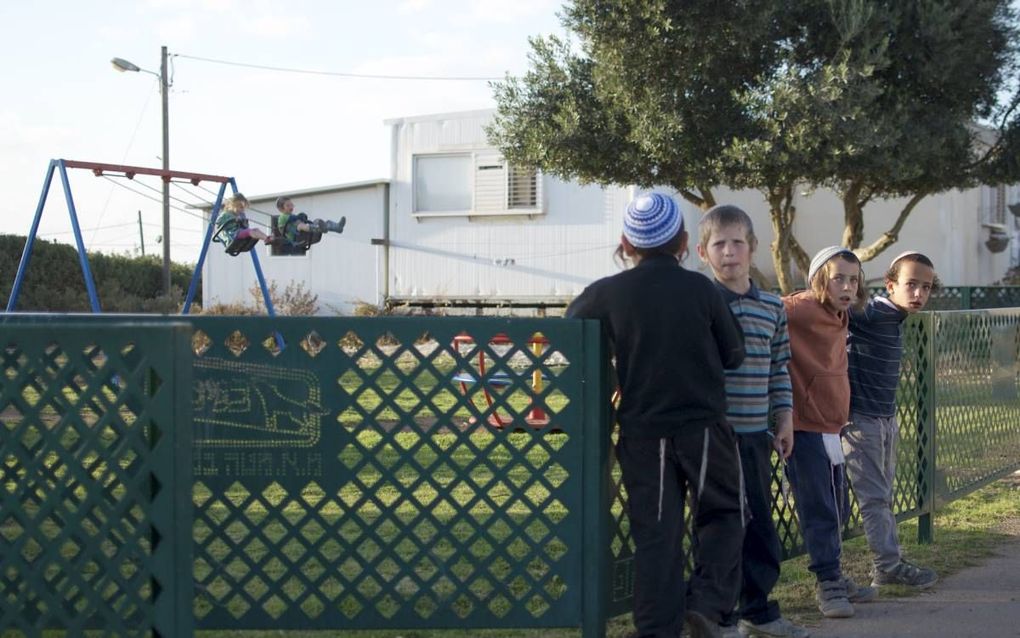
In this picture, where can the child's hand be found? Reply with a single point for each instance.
(783, 441)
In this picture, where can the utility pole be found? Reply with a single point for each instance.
(141, 233)
(164, 90)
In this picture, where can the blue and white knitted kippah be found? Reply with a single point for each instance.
(652, 220)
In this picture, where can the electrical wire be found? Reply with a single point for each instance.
(150, 197)
(343, 74)
(131, 142)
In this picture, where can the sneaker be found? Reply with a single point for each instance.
(906, 574)
(698, 626)
(780, 627)
(858, 593)
(832, 599)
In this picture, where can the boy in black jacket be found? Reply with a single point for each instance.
(672, 335)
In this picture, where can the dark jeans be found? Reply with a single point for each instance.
(656, 474)
(761, 552)
(821, 497)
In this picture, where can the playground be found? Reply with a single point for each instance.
(299, 473)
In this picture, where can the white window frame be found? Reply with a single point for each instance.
(490, 188)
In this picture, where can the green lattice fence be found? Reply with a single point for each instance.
(976, 399)
(377, 473)
(968, 297)
(384, 473)
(90, 455)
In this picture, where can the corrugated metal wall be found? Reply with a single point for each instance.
(480, 255)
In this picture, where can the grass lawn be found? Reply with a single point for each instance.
(966, 532)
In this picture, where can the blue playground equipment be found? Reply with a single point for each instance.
(115, 170)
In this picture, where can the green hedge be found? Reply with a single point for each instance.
(54, 281)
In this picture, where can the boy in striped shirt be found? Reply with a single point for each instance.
(758, 388)
(874, 348)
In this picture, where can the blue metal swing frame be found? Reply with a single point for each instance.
(61, 165)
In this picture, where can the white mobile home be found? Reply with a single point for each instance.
(455, 224)
(467, 227)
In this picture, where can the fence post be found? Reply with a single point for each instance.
(966, 297)
(597, 487)
(926, 426)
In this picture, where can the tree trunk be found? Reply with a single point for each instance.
(781, 213)
(853, 217)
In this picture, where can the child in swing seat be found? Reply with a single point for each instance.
(291, 227)
(672, 334)
(233, 222)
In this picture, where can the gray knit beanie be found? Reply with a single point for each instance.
(823, 256)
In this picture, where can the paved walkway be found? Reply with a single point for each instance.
(979, 601)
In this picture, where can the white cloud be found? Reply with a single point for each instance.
(178, 30)
(413, 6)
(502, 12)
(275, 26)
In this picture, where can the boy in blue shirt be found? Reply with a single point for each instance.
(874, 347)
(760, 386)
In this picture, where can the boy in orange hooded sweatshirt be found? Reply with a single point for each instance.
(818, 319)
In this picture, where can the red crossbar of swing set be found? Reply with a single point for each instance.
(130, 171)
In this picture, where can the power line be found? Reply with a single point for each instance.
(138, 125)
(149, 197)
(343, 74)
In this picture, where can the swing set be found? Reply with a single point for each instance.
(179, 178)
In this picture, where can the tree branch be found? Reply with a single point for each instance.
(892, 235)
(691, 197)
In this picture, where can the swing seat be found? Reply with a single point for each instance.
(238, 245)
(241, 245)
(303, 240)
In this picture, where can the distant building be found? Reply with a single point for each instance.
(455, 224)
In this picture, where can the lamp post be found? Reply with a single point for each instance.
(121, 64)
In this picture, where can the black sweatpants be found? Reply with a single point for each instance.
(762, 552)
(656, 474)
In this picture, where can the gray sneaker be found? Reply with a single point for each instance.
(832, 599)
(905, 574)
(778, 628)
(858, 593)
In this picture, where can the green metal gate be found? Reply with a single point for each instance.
(94, 448)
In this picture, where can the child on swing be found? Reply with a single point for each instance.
(296, 231)
(233, 222)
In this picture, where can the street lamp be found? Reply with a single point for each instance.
(121, 64)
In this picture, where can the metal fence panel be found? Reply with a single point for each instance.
(390, 472)
(94, 438)
(977, 358)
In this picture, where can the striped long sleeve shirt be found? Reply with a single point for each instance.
(874, 348)
(762, 383)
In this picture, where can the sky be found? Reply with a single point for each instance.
(271, 130)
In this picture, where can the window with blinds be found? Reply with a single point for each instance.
(492, 187)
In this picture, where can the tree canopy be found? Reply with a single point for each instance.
(874, 99)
